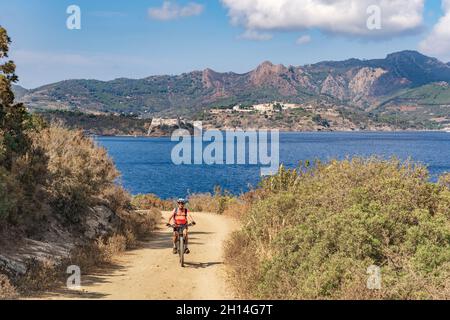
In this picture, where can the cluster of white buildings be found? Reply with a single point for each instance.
(262, 108)
(158, 122)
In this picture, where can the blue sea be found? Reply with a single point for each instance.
(146, 165)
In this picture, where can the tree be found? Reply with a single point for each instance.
(13, 117)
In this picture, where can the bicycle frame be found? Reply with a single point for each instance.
(181, 241)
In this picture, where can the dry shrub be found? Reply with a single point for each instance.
(112, 246)
(240, 255)
(137, 225)
(22, 190)
(224, 203)
(97, 252)
(317, 229)
(149, 201)
(236, 208)
(203, 202)
(445, 180)
(220, 203)
(7, 290)
(78, 170)
(117, 197)
(40, 276)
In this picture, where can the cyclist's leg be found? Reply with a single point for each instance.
(174, 241)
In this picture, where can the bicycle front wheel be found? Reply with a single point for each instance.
(181, 252)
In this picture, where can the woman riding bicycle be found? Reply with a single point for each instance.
(181, 217)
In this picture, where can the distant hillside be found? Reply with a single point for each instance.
(436, 93)
(19, 91)
(370, 85)
(104, 125)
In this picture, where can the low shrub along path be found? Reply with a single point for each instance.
(153, 271)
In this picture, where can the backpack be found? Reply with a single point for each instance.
(176, 213)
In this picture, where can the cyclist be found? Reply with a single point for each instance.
(180, 216)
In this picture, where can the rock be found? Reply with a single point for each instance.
(100, 222)
(56, 243)
(15, 262)
(12, 267)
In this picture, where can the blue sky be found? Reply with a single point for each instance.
(138, 38)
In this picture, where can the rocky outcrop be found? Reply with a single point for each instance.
(100, 222)
(362, 84)
(275, 76)
(335, 87)
(56, 243)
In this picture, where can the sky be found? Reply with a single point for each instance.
(136, 39)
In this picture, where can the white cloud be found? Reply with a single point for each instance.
(346, 17)
(438, 41)
(303, 40)
(255, 35)
(171, 11)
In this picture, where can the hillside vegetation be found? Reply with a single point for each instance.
(99, 124)
(312, 233)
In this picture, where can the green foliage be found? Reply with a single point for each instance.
(320, 121)
(98, 124)
(12, 116)
(429, 94)
(316, 230)
(22, 167)
(8, 200)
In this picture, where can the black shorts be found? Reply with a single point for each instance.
(175, 229)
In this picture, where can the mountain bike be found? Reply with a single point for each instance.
(181, 243)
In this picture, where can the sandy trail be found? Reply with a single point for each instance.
(153, 272)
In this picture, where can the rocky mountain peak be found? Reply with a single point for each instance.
(406, 54)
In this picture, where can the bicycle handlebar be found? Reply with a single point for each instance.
(177, 226)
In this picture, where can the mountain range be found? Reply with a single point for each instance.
(406, 79)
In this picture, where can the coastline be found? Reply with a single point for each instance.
(168, 135)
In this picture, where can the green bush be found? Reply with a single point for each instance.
(316, 230)
(7, 199)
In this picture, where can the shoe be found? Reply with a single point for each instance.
(187, 251)
(175, 251)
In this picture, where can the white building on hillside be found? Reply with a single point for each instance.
(266, 107)
(157, 122)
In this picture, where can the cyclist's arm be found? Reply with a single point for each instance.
(190, 218)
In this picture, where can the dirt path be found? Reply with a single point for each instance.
(153, 272)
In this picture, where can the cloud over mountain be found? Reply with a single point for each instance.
(438, 41)
(344, 17)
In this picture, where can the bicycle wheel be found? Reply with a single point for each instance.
(181, 251)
